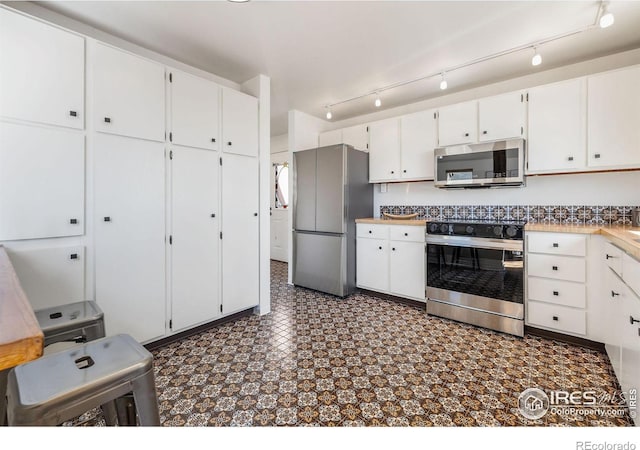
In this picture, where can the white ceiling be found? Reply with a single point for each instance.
(320, 52)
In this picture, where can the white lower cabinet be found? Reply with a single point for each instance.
(240, 227)
(50, 276)
(195, 240)
(391, 259)
(130, 235)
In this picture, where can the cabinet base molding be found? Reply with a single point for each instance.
(393, 298)
(582, 342)
(199, 329)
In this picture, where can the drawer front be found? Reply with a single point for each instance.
(557, 317)
(631, 272)
(565, 293)
(613, 257)
(408, 233)
(373, 231)
(557, 267)
(557, 243)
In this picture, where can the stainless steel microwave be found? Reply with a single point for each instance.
(499, 163)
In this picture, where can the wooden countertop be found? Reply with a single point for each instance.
(414, 222)
(620, 235)
(21, 338)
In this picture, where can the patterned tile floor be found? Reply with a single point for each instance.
(317, 360)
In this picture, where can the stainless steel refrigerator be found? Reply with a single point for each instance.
(331, 189)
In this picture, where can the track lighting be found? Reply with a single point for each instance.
(606, 19)
(329, 115)
(537, 59)
(378, 102)
(443, 83)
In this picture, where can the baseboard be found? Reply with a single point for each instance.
(593, 345)
(407, 301)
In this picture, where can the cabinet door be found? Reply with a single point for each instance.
(41, 72)
(630, 342)
(614, 118)
(130, 235)
(195, 110)
(557, 132)
(356, 136)
(41, 182)
(195, 278)
(407, 269)
(458, 124)
(239, 123)
(501, 117)
(128, 94)
(50, 276)
(384, 150)
(333, 137)
(372, 264)
(418, 138)
(239, 233)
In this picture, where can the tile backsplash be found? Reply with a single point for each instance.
(554, 214)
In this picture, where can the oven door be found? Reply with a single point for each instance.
(479, 273)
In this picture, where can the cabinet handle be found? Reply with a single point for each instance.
(632, 320)
(554, 267)
(404, 171)
(213, 139)
(107, 120)
(255, 214)
(107, 219)
(597, 156)
(392, 171)
(213, 215)
(73, 113)
(466, 135)
(229, 144)
(556, 293)
(393, 248)
(610, 256)
(484, 132)
(369, 231)
(379, 248)
(73, 256)
(570, 158)
(555, 318)
(406, 234)
(613, 293)
(73, 221)
(555, 245)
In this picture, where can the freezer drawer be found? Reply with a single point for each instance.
(320, 262)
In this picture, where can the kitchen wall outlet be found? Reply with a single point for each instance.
(383, 187)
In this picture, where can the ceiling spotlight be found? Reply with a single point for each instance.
(329, 115)
(443, 83)
(606, 19)
(378, 102)
(537, 59)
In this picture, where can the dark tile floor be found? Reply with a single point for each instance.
(317, 360)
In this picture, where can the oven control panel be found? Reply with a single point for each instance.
(477, 229)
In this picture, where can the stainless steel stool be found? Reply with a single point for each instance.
(61, 386)
(75, 322)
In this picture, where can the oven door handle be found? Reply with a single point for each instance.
(515, 245)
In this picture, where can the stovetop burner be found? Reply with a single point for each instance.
(496, 229)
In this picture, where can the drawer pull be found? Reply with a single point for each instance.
(632, 320)
(107, 120)
(73, 256)
(73, 221)
(379, 248)
(554, 267)
(555, 245)
(556, 293)
(610, 256)
(406, 234)
(613, 293)
(107, 219)
(555, 318)
(393, 248)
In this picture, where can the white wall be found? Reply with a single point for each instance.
(612, 188)
(279, 143)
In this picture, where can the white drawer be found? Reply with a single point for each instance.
(557, 317)
(557, 267)
(631, 272)
(410, 233)
(557, 243)
(613, 257)
(367, 230)
(564, 293)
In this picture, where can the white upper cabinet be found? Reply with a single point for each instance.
(356, 136)
(195, 109)
(41, 182)
(458, 124)
(41, 72)
(557, 129)
(614, 118)
(239, 123)
(384, 150)
(501, 117)
(418, 139)
(128, 94)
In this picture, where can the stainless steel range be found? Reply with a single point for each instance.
(475, 273)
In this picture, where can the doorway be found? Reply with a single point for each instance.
(279, 205)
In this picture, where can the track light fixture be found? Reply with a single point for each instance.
(602, 19)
